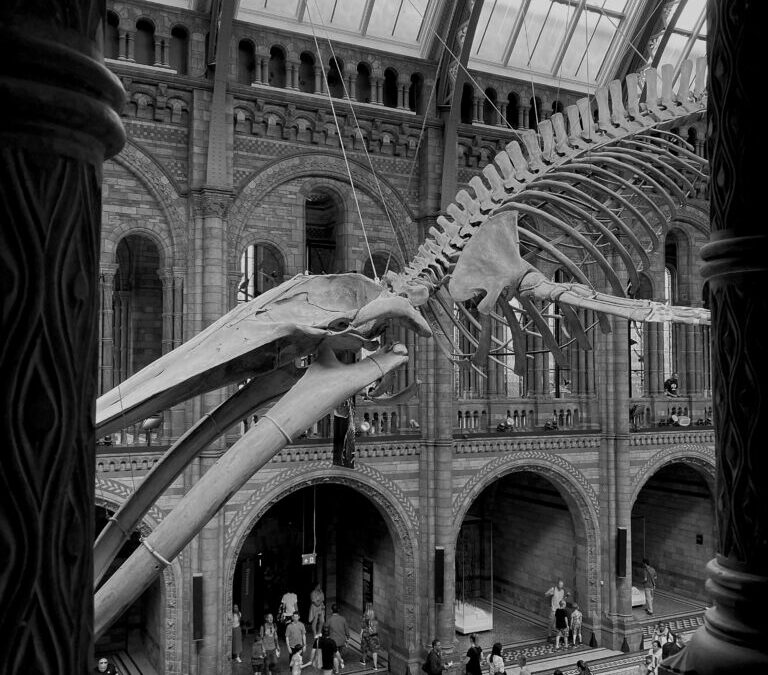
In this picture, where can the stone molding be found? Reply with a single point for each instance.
(701, 457)
(664, 438)
(526, 444)
(395, 507)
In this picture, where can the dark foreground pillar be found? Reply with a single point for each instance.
(734, 638)
(58, 122)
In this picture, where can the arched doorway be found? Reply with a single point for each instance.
(524, 522)
(328, 534)
(673, 526)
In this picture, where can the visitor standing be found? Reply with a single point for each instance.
(649, 584)
(237, 633)
(522, 661)
(577, 619)
(583, 668)
(561, 625)
(339, 633)
(474, 654)
(434, 664)
(556, 595)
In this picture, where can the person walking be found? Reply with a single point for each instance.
(522, 661)
(270, 649)
(237, 633)
(295, 634)
(649, 585)
(495, 660)
(474, 654)
(556, 594)
(316, 610)
(369, 637)
(297, 661)
(339, 633)
(328, 651)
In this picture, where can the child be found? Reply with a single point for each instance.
(297, 661)
(576, 619)
(561, 625)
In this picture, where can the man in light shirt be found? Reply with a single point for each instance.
(556, 594)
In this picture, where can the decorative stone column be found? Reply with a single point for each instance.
(158, 51)
(402, 92)
(376, 91)
(501, 119)
(122, 44)
(734, 636)
(106, 328)
(58, 123)
(130, 40)
(318, 80)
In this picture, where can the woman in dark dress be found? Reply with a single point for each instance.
(474, 653)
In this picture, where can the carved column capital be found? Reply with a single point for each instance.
(212, 203)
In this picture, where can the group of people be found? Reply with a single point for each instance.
(563, 625)
(664, 643)
(329, 637)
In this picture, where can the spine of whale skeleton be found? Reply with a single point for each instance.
(584, 194)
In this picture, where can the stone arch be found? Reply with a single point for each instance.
(112, 494)
(319, 164)
(160, 185)
(161, 240)
(573, 487)
(700, 457)
(392, 503)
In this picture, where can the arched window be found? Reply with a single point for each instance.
(335, 78)
(138, 306)
(246, 62)
(389, 92)
(535, 114)
(557, 106)
(261, 268)
(277, 67)
(467, 103)
(363, 83)
(179, 55)
(307, 73)
(323, 218)
(513, 107)
(144, 47)
(489, 106)
(415, 93)
(112, 36)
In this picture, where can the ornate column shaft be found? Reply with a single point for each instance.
(130, 43)
(106, 328)
(158, 51)
(318, 80)
(522, 117)
(733, 638)
(58, 122)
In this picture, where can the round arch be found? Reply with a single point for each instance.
(111, 495)
(699, 457)
(162, 187)
(572, 486)
(285, 169)
(394, 506)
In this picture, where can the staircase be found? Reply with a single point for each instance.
(132, 664)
